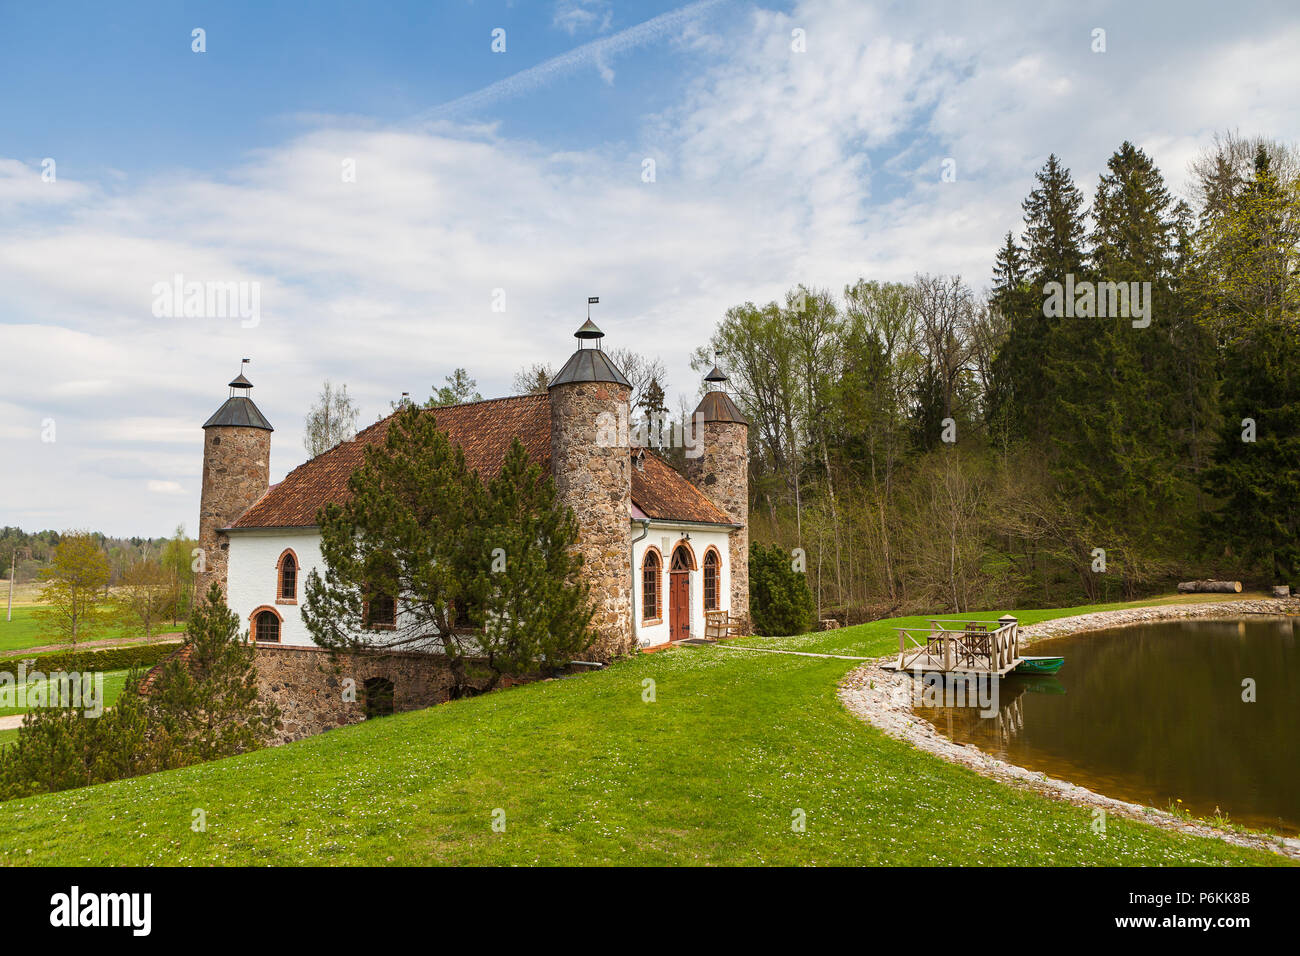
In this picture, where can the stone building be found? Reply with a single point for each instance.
(659, 549)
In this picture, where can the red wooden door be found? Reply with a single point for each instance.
(679, 607)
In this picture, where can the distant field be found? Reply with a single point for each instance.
(24, 631)
(114, 681)
(24, 593)
(8, 736)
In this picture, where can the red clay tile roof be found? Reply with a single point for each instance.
(485, 430)
(662, 493)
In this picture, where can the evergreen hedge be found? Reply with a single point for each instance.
(110, 659)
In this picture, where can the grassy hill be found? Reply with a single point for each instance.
(586, 771)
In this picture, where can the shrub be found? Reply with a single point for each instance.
(779, 600)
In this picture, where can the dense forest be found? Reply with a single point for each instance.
(931, 447)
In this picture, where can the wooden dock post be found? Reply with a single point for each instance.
(1003, 621)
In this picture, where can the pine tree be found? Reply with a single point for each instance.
(405, 538)
(530, 600)
(1116, 455)
(204, 704)
(460, 388)
(420, 534)
(1054, 225)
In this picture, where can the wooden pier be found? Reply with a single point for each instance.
(961, 647)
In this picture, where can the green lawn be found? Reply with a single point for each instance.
(113, 683)
(25, 631)
(712, 772)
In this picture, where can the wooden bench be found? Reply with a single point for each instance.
(719, 624)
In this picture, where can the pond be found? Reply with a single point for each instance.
(1153, 714)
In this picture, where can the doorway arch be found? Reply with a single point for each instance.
(379, 697)
(679, 592)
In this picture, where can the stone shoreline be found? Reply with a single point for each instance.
(883, 698)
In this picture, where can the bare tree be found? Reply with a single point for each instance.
(640, 371)
(532, 379)
(332, 419)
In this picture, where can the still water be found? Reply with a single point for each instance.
(1154, 713)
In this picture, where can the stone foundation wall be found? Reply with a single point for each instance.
(308, 683)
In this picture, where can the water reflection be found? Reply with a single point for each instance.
(1156, 713)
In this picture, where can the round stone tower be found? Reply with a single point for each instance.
(590, 460)
(236, 472)
(721, 471)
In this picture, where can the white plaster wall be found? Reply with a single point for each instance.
(665, 535)
(252, 576)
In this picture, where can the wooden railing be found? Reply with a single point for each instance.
(960, 645)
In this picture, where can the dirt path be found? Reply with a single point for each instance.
(168, 638)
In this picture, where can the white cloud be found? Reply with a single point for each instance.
(165, 487)
(581, 16)
(774, 167)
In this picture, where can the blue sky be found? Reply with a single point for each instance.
(517, 178)
(95, 83)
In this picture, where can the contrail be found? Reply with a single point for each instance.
(596, 53)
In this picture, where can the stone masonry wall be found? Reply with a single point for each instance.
(307, 684)
(595, 480)
(236, 472)
(722, 473)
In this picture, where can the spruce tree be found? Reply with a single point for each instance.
(1029, 366)
(1249, 255)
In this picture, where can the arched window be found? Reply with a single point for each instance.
(682, 559)
(711, 565)
(650, 584)
(287, 588)
(266, 627)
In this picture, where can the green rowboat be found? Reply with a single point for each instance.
(1039, 665)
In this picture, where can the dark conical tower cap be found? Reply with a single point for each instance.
(589, 331)
(589, 365)
(239, 410)
(718, 407)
